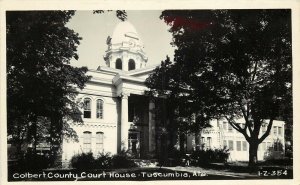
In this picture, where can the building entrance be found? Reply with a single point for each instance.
(134, 143)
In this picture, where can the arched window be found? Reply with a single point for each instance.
(131, 65)
(118, 64)
(87, 141)
(99, 110)
(87, 108)
(99, 142)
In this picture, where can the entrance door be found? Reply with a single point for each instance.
(134, 143)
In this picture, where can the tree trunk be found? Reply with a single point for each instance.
(253, 146)
(56, 140)
(19, 149)
(172, 136)
(164, 150)
(197, 140)
(59, 158)
(19, 142)
(181, 142)
(172, 132)
(35, 142)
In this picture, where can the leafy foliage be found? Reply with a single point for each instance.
(203, 157)
(122, 161)
(230, 63)
(121, 14)
(102, 161)
(83, 161)
(32, 162)
(40, 80)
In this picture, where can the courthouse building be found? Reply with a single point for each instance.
(117, 115)
(223, 135)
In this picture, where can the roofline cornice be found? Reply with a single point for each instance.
(121, 78)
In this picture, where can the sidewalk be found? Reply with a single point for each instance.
(225, 173)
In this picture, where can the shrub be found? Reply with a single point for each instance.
(83, 161)
(175, 157)
(103, 161)
(210, 156)
(32, 162)
(222, 155)
(122, 161)
(199, 157)
(281, 162)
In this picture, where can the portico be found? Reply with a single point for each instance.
(137, 126)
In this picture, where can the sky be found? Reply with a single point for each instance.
(95, 28)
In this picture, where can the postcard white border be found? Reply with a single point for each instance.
(153, 5)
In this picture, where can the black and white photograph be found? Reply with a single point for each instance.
(149, 95)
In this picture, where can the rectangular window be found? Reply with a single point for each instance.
(280, 131)
(225, 126)
(244, 145)
(238, 146)
(230, 128)
(275, 130)
(208, 142)
(99, 142)
(225, 144)
(87, 141)
(202, 142)
(230, 145)
(269, 146)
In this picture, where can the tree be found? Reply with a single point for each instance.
(42, 86)
(242, 58)
(121, 14)
(40, 80)
(187, 111)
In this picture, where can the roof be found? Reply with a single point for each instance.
(136, 72)
(124, 32)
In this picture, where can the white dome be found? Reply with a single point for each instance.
(126, 46)
(125, 32)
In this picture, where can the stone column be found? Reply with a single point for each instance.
(151, 126)
(125, 61)
(124, 122)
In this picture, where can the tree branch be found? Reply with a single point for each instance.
(237, 127)
(266, 134)
(249, 128)
(248, 109)
(254, 71)
(244, 112)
